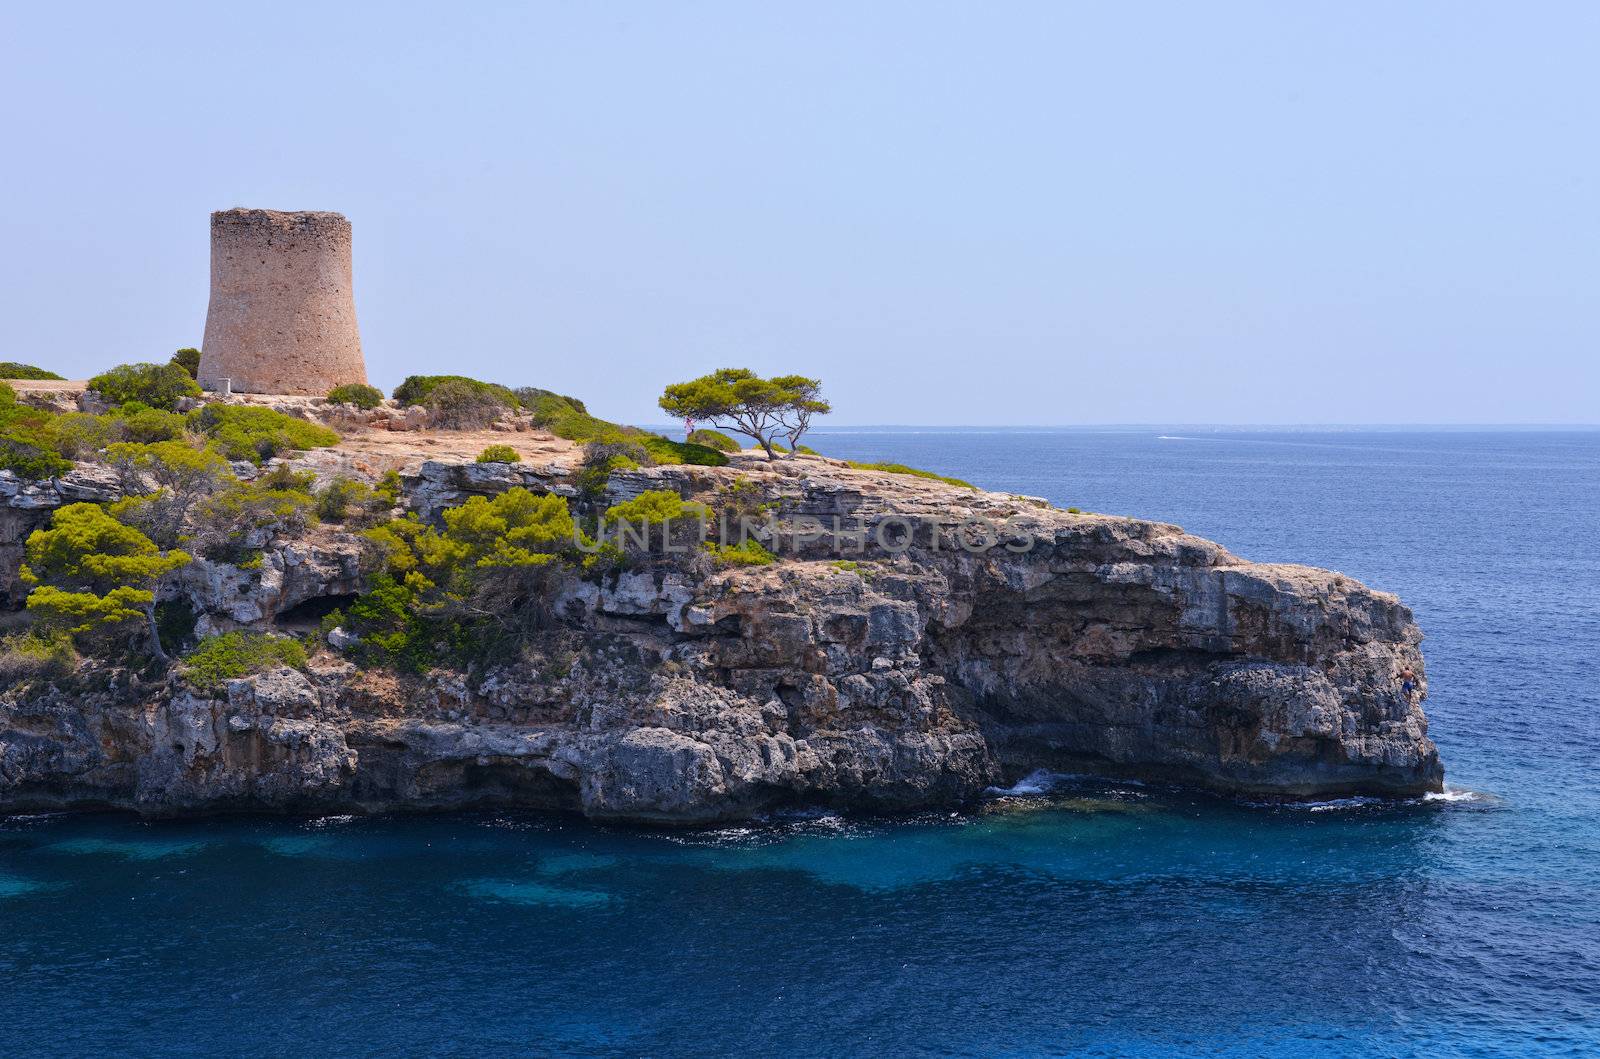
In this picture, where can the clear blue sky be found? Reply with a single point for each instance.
(952, 213)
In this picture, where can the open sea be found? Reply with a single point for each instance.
(1069, 915)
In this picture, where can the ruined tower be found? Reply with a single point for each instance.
(282, 318)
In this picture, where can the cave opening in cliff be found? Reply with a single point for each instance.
(303, 617)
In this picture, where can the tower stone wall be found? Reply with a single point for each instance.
(282, 316)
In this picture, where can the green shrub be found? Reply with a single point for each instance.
(94, 576)
(417, 388)
(464, 405)
(25, 445)
(393, 630)
(499, 454)
(161, 482)
(747, 552)
(250, 432)
(347, 499)
(800, 450)
(233, 524)
(10, 369)
(357, 393)
(28, 457)
(567, 418)
(284, 478)
(138, 422)
(714, 439)
(389, 488)
(666, 451)
(530, 396)
(37, 654)
(79, 435)
(175, 622)
(477, 588)
(232, 655)
(157, 385)
(900, 468)
(187, 358)
(654, 506)
(600, 458)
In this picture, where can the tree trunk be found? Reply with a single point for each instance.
(155, 635)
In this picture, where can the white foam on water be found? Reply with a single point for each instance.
(1451, 795)
(1034, 784)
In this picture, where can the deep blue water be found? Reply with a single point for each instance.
(1093, 918)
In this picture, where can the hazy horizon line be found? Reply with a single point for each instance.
(1157, 425)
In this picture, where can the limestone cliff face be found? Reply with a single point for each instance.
(913, 673)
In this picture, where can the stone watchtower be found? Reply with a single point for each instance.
(282, 318)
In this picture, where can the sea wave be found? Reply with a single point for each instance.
(1036, 783)
(1452, 795)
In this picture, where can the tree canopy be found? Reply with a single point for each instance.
(94, 573)
(738, 399)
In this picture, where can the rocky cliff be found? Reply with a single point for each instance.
(916, 643)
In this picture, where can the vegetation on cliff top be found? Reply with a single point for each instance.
(187, 358)
(713, 439)
(157, 385)
(567, 418)
(738, 399)
(10, 369)
(24, 448)
(250, 432)
(357, 393)
(416, 389)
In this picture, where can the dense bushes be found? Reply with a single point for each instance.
(29, 459)
(10, 369)
(157, 385)
(236, 522)
(713, 439)
(36, 654)
(80, 435)
(656, 506)
(600, 458)
(464, 405)
(417, 388)
(25, 448)
(232, 655)
(346, 499)
(478, 588)
(250, 432)
(747, 552)
(357, 393)
(95, 576)
(187, 358)
(531, 396)
(499, 454)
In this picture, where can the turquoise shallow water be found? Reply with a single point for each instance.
(1071, 915)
